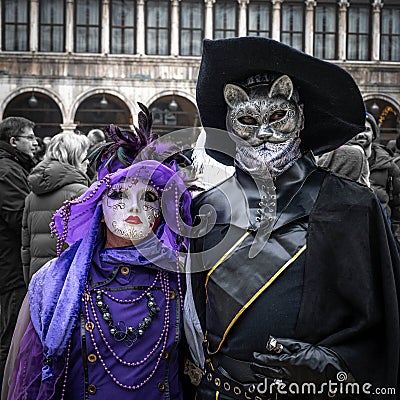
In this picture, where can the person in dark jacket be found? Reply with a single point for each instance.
(17, 144)
(348, 160)
(384, 173)
(60, 176)
(97, 138)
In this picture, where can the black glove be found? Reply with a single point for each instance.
(293, 361)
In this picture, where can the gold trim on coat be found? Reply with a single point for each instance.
(256, 295)
(224, 257)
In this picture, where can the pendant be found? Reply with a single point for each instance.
(122, 332)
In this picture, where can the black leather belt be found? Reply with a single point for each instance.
(218, 381)
(239, 370)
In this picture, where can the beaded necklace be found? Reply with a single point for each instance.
(120, 330)
(158, 348)
(64, 386)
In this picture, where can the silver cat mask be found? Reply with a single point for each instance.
(267, 120)
(264, 113)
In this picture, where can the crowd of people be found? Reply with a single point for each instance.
(302, 286)
(364, 159)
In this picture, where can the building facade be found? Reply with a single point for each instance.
(80, 64)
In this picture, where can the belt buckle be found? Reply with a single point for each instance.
(194, 373)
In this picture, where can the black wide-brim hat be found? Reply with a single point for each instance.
(334, 111)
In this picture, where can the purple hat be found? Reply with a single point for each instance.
(130, 154)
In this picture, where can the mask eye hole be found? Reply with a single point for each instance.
(117, 195)
(277, 115)
(149, 196)
(247, 120)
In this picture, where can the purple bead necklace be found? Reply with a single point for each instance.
(130, 364)
(164, 282)
(110, 296)
(64, 386)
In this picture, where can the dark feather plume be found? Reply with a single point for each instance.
(124, 145)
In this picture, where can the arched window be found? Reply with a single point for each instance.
(101, 110)
(325, 30)
(15, 25)
(52, 25)
(38, 108)
(387, 117)
(292, 24)
(171, 113)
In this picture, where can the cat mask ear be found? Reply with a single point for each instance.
(234, 94)
(282, 86)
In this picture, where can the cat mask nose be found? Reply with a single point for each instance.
(264, 133)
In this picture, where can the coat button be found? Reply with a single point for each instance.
(92, 358)
(165, 355)
(172, 295)
(85, 297)
(89, 326)
(92, 389)
(161, 387)
(125, 270)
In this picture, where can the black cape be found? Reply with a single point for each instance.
(350, 294)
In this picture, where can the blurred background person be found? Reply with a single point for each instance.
(348, 160)
(46, 141)
(395, 149)
(39, 151)
(384, 173)
(60, 176)
(97, 138)
(17, 144)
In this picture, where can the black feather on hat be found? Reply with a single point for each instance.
(334, 111)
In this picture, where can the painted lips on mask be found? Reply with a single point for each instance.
(134, 220)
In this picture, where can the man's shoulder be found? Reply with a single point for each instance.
(218, 192)
(382, 155)
(342, 192)
(12, 169)
(8, 159)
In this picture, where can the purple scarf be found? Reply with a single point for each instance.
(56, 289)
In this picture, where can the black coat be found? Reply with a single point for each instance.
(385, 180)
(341, 292)
(14, 170)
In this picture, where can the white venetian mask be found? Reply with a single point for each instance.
(131, 209)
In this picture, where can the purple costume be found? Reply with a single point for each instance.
(106, 323)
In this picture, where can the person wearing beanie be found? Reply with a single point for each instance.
(384, 172)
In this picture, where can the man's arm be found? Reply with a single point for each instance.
(14, 189)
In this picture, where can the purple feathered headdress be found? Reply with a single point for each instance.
(130, 153)
(125, 147)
